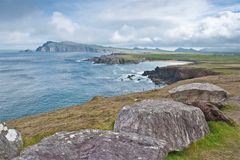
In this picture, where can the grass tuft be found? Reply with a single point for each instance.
(221, 139)
(28, 141)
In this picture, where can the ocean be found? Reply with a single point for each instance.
(33, 83)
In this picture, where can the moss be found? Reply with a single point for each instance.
(28, 141)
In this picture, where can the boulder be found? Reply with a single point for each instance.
(176, 123)
(96, 145)
(208, 97)
(10, 142)
(200, 92)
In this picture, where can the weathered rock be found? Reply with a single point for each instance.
(173, 74)
(211, 112)
(96, 145)
(10, 142)
(176, 123)
(208, 97)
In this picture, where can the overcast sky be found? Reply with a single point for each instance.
(146, 23)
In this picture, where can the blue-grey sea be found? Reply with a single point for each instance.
(32, 83)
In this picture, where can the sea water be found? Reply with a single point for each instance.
(32, 83)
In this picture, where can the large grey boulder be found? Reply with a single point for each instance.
(10, 142)
(96, 145)
(204, 92)
(208, 97)
(176, 123)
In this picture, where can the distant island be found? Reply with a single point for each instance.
(68, 46)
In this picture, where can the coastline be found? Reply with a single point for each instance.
(100, 112)
(118, 81)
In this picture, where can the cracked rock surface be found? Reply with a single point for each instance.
(96, 145)
(176, 123)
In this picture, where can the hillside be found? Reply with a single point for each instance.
(100, 113)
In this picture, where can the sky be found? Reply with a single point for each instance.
(125, 23)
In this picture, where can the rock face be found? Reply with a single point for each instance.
(115, 58)
(10, 142)
(173, 74)
(96, 145)
(208, 97)
(71, 47)
(176, 123)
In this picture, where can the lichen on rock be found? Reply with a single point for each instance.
(176, 123)
(10, 142)
(96, 145)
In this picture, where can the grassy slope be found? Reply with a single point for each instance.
(223, 142)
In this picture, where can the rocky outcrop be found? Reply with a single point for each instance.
(96, 145)
(115, 58)
(176, 123)
(10, 142)
(208, 97)
(71, 47)
(173, 74)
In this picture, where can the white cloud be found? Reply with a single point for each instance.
(225, 25)
(145, 40)
(124, 34)
(63, 23)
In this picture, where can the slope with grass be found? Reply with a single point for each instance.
(100, 113)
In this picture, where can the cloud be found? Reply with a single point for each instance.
(124, 34)
(159, 23)
(224, 26)
(63, 23)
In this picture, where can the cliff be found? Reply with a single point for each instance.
(67, 46)
(173, 74)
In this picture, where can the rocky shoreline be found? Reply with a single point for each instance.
(159, 75)
(173, 74)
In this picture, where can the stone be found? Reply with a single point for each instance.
(204, 92)
(208, 97)
(176, 123)
(96, 145)
(10, 142)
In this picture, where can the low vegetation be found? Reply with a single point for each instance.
(223, 142)
(100, 113)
